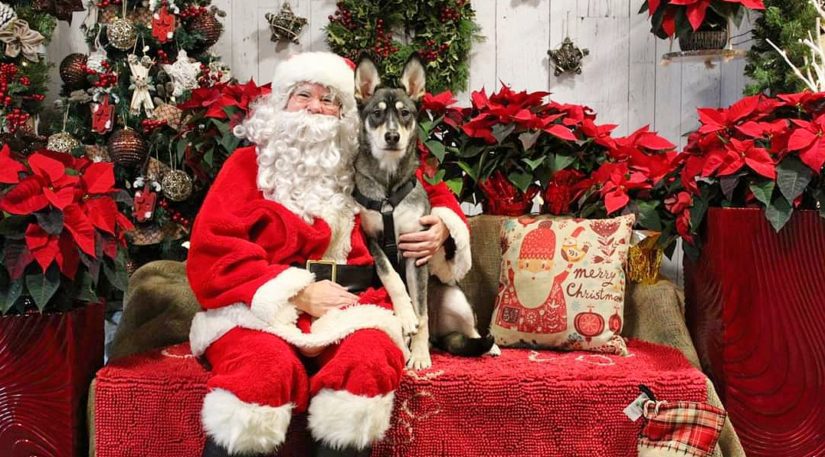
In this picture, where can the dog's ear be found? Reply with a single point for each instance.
(366, 79)
(413, 78)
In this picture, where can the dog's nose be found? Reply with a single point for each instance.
(392, 138)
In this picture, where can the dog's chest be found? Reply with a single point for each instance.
(405, 216)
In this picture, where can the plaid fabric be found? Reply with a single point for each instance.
(680, 428)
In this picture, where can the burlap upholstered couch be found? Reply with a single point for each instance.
(146, 401)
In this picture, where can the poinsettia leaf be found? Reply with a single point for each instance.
(647, 216)
(778, 212)
(501, 131)
(471, 172)
(562, 132)
(763, 190)
(99, 178)
(728, 185)
(456, 185)
(801, 138)
(86, 289)
(560, 162)
(528, 139)
(42, 286)
(10, 291)
(92, 265)
(743, 108)
(16, 257)
(435, 179)
(24, 198)
(437, 149)
(699, 208)
(13, 227)
(533, 163)
(51, 221)
(655, 142)
(229, 142)
(520, 179)
(793, 177)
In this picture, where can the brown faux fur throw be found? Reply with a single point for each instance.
(157, 309)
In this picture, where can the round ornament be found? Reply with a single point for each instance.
(589, 324)
(127, 148)
(73, 71)
(615, 322)
(62, 142)
(177, 185)
(121, 34)
(208, 27)
(96, 153)
(7, 15)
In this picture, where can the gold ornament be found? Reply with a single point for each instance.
(96, 153)
(73, 71)
(177, 185)
(285, 26)
(62, 142)
(644, 257)
(121, 34)
(127, 148)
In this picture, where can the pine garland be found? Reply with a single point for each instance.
(784, 22)
(439, 31)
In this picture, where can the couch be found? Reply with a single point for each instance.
(147, 400)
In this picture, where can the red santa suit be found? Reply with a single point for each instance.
(245, 264)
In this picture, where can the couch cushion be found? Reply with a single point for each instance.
(525, 403)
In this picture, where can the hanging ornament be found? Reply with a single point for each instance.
(7, 14)
(140, 84)
(96, 59)
(183, 72)
(63, 9)
(168, 113)
(19, 38)
(589, 324)
(285, 26)
(177, 185)
(103, 115)
(62, 142)
(220, 70)
(145, 202)
(127, 148)
(73, 71)
(615, 322)
(567, 58)
(96, 153)
(208, 27)
(121, 34)
(163, 25)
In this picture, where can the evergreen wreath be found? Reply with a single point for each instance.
(440, 31)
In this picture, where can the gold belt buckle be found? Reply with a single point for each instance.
(330, 262)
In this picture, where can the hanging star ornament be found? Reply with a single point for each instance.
(567, 58)
(285, 26)
(183, 73)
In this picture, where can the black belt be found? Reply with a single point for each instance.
(356, 278)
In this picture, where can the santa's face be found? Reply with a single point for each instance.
(314, 98)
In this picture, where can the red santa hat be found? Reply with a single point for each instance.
(323, 68)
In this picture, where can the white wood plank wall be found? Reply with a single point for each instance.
(622, 77)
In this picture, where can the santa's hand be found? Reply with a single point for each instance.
(320, 297)
(422, 245)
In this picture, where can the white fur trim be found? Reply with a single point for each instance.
(331, 328)
(323, 68)
(244, 428)
(455, 269)
(341, 419)
(275, 293)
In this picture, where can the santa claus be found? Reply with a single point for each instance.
(281, 268)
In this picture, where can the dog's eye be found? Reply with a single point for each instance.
(376, 113)
(405, 112)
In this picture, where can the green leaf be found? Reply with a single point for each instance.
(230, 142)
(534, 163)
(455, 185)
(86, 290)
(439, 176)
(10, 291)
(471, 172)
(779, 212)
(521, 180)
(209, 157)
(698, 210)
(42, 286)
(560, 162)
(501, 131)
(763, 190)
(728, 185)
(648, 216)
(528, 139)
(51, 222)
(180, 149)
(793, 177)
(13, 227)
(437, 148)
(116, 274)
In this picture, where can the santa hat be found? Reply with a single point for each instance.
(323, 68)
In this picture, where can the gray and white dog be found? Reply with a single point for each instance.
(386, 185)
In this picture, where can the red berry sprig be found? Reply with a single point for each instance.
(175, 215)
(343, 16)
(383, 41)
(191, 11)
(448, 14)
(16, 119)
(150, 125)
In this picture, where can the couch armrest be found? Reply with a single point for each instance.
(655, 313)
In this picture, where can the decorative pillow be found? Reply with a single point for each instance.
(562, 283)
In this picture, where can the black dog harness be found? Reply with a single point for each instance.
(389, 244)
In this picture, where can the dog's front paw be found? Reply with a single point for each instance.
(494, 351)
(419, 360)
(409, 321)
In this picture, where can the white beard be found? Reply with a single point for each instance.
(306, 165)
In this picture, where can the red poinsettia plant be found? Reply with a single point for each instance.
(209, 115)
(760, 152)
(671, 18)
(62, 233)
(510, 146)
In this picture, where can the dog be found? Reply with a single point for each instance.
(385, 182)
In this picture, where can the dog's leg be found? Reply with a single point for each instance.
(455, 314)
(392, 281)
(417, 278)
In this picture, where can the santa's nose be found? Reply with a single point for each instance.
(315, 106)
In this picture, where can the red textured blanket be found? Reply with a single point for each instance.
(524, 403)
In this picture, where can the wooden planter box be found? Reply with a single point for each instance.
(46, 364)
(756, 312)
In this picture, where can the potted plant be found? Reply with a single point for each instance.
(510, 146)
(62, 255)
(754, 265)
(699, 24)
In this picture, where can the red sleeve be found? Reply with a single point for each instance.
(440, 195)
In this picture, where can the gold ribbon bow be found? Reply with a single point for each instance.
(18, 38)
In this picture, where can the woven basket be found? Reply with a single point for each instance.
(710, 39)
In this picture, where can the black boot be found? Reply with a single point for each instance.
(322, 450)
(213, 449)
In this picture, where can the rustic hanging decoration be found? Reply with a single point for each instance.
(121, 34)
(285, 26)
(567, 58)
